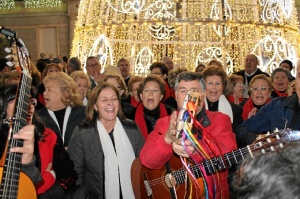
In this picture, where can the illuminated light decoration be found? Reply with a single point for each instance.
(271, 50)
(162, 31)
(286, 6)
(7, 4)
(129, 33)
(271, 11)
(102, 50)
(143, 61)
(217, 13)
(160, 10)
(214, 53)
(42, 3)
(127, 7)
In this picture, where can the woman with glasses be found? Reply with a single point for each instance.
(235, 89)
(104, 147)
(260, 88)
(51, 159)
(215, 81)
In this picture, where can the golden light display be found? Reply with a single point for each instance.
(7, 4)
(188, 31)
(42, 3)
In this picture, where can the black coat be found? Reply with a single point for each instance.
(77, 115)
(85, 149)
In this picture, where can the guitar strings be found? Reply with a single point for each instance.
(13, 161)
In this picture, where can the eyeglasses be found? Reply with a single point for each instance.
(156, 73)
(184, 91)
(93, 65)
(241, 85)
(33, 101)
(256, 89)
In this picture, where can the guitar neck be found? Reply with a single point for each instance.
(11, 170)
(213, 165)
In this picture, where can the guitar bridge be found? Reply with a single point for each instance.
(147, 185)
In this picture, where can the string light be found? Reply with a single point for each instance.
(184, 30)
(7, 4)
(42, 3)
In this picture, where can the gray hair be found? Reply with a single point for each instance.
(288, 73)
(190, 76)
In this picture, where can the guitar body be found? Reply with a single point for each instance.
(26, 188)
(158, 181)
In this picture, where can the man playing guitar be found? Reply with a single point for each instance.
(215, 135)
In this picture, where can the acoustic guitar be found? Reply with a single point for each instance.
(171, 181)
(14, 184)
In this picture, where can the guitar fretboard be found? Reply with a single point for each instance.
(213, 165)
(12, 167)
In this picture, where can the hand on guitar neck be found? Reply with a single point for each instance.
(27, 135)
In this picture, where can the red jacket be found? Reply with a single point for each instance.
(156, 152)
(46, 154)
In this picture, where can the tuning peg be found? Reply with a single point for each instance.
(8, 50)
(10, 64)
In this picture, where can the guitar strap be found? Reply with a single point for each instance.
(173, 189)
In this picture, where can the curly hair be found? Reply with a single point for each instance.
(68, 87)
(215, 70)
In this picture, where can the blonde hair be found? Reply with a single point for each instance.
(68, 87)
(81, 75)
(48, 67)
(120, 81)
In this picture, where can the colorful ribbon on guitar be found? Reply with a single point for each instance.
(186, 134)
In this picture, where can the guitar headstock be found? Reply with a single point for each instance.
(18, 54)
(274, 141)
(189, 108)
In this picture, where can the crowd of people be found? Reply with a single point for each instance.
(85, 129)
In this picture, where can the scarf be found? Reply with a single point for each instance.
(66, 118)
(232, 99)
(133, 102)
(224, 107)
(249, 105)
(140, 120)
(280, 93)
(117, 163)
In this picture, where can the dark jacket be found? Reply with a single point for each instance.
(237, 112)
(258, 72)
(276, 114)
(77, 115)
(86, 151)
